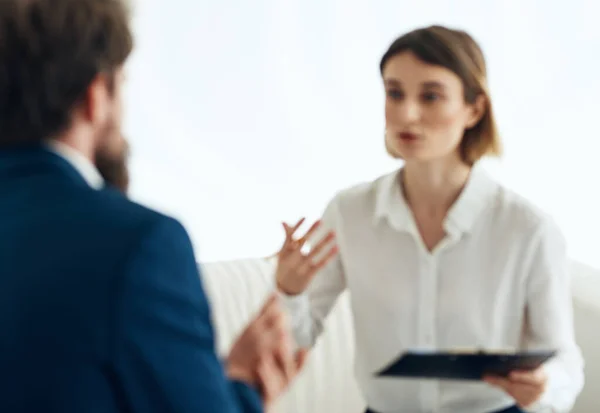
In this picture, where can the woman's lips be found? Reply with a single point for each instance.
(408, 137)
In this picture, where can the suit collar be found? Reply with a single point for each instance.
(36, 160)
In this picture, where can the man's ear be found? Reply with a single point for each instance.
(96, 107)
(478, 109)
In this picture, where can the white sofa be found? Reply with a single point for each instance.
(238, 288)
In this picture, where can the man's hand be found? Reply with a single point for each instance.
(261, 339)
(263, 356)
(526, 387)
(277, 371)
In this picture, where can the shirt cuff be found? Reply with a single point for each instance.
(298, 309)
(294, 304)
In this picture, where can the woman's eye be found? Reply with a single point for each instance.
(430, 97)
(395, 94)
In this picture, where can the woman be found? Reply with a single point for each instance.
(437, 254)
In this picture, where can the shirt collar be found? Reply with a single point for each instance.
(82, 165)
(476, 195)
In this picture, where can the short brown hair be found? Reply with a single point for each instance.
(50, 52)
(457, 51)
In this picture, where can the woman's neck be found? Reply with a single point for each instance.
(431, 188)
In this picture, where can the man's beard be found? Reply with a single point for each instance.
(111, 163)
(113, 168)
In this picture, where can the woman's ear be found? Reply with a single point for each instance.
(477, 110)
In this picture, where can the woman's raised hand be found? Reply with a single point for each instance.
(295, 268)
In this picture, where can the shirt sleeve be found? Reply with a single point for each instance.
(550, 321)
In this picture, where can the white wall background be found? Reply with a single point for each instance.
(245, 113)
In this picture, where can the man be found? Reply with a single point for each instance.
(101, 305)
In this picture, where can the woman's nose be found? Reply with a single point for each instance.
(408, 111)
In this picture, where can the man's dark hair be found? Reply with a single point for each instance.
(50, 51)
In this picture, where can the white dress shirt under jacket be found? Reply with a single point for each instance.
(77, 160)
(497, 281)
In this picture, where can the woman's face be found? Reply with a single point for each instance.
(425, 110)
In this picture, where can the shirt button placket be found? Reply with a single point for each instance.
(432, 330)
(427, 321)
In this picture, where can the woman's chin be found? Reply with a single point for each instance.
(417, 154)
(409, 154)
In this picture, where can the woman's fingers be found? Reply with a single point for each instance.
(290, 231)
(289, 242)
(314, 227)
(536, 377)
(319, 256)
(324, 260)
(292, 243)
(325, 242)
(311, 262)
(312, 266)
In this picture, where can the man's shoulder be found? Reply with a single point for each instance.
(108, 218)
(111, 210)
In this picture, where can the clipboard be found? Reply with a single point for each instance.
(463, 366)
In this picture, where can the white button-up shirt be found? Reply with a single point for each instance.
(497, 281)
(82, 165)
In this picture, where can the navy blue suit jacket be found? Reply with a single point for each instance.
(101, 303)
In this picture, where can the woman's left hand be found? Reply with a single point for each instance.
(526, 387)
